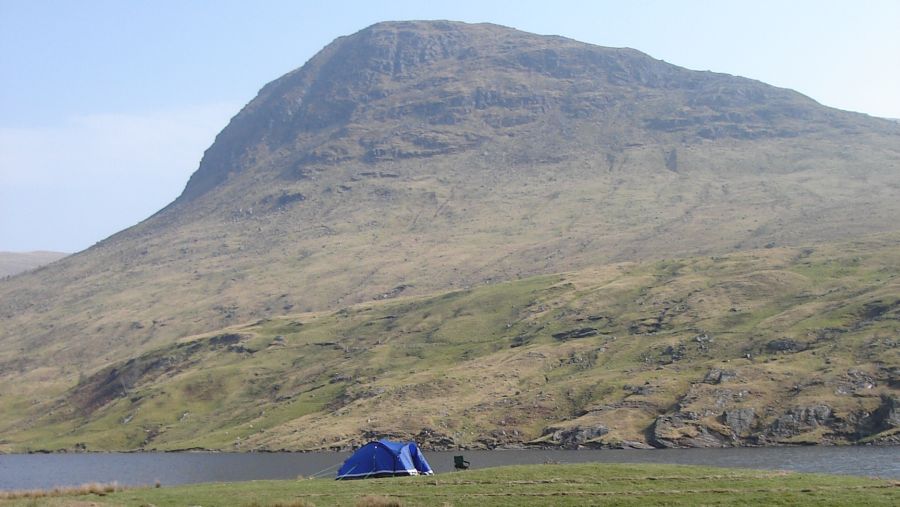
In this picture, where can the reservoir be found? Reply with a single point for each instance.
(29, 471)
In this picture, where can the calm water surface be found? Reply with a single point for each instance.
(25, 471)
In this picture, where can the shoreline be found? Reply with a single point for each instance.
(199, 450)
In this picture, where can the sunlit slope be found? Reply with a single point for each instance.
(773, 346)
(422, 157)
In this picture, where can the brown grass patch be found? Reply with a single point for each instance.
(377, 501)
(93, 488)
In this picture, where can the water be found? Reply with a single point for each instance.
(27, 471)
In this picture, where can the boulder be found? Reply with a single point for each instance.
(717, 376)
(575, 333)
(860, 380)
(641, 390)
(783, 345)
(740, 420)
(680, 430)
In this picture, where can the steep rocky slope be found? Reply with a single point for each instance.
(419, 157)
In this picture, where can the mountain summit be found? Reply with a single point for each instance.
(425, 156)
(407, 90)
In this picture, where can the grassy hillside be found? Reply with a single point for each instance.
(460, 229)
(594, 484)
(416, 158)
(773, 346)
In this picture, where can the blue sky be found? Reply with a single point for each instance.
(106, 106)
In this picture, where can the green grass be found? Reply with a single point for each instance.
(582, 484)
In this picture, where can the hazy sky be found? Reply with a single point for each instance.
(107, 106)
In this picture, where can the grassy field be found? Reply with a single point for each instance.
(583, 484)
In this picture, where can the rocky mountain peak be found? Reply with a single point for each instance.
(325, 93)
(440, 86)
(413, 89)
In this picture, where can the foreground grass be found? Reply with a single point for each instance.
(581, 484)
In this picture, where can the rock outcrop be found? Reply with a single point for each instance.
(800, 420)
(740, 420)
(682, 429)
(574, 437)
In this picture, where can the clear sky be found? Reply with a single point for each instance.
(107, 106)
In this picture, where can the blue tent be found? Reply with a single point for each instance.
(385, 459)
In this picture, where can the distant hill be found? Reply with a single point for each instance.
(419, 158)
(12, 263)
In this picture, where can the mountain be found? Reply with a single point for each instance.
(13, 263)
(415, 158)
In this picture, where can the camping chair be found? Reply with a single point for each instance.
(460, 463)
